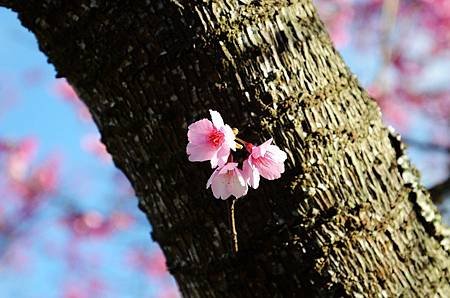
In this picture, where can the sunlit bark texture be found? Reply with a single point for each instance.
(348, 218)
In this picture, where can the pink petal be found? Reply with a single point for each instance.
(268, 160)
(229, 137)
(212, 177)
(237, 186)
(219, 187)
(199, 131)
(227, 181)
(269, 169)
(228, 167)
(216, 119)
(250, 173)
(199, 152)
(271, 173)
(222, 156)
(214, 160)
(261, 149)
(277, 154)
(240, 176)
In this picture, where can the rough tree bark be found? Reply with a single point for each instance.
(348, 218)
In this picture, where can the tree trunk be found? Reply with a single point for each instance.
(348, 218)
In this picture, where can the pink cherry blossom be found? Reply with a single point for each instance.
(152, 262)
(251, 174)
(63, 89)
(210, 140)
(266, 160)
(226, 181)
(92, 144)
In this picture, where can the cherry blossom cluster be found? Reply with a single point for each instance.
(214, 140)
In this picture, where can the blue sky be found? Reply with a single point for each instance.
(38, 111)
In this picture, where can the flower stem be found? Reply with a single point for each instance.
(234, 240)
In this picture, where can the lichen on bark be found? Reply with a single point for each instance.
(349, 217)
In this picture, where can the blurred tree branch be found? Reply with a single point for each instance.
(439, 190)
(427, 145)
(11, 4)
(388, 19)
